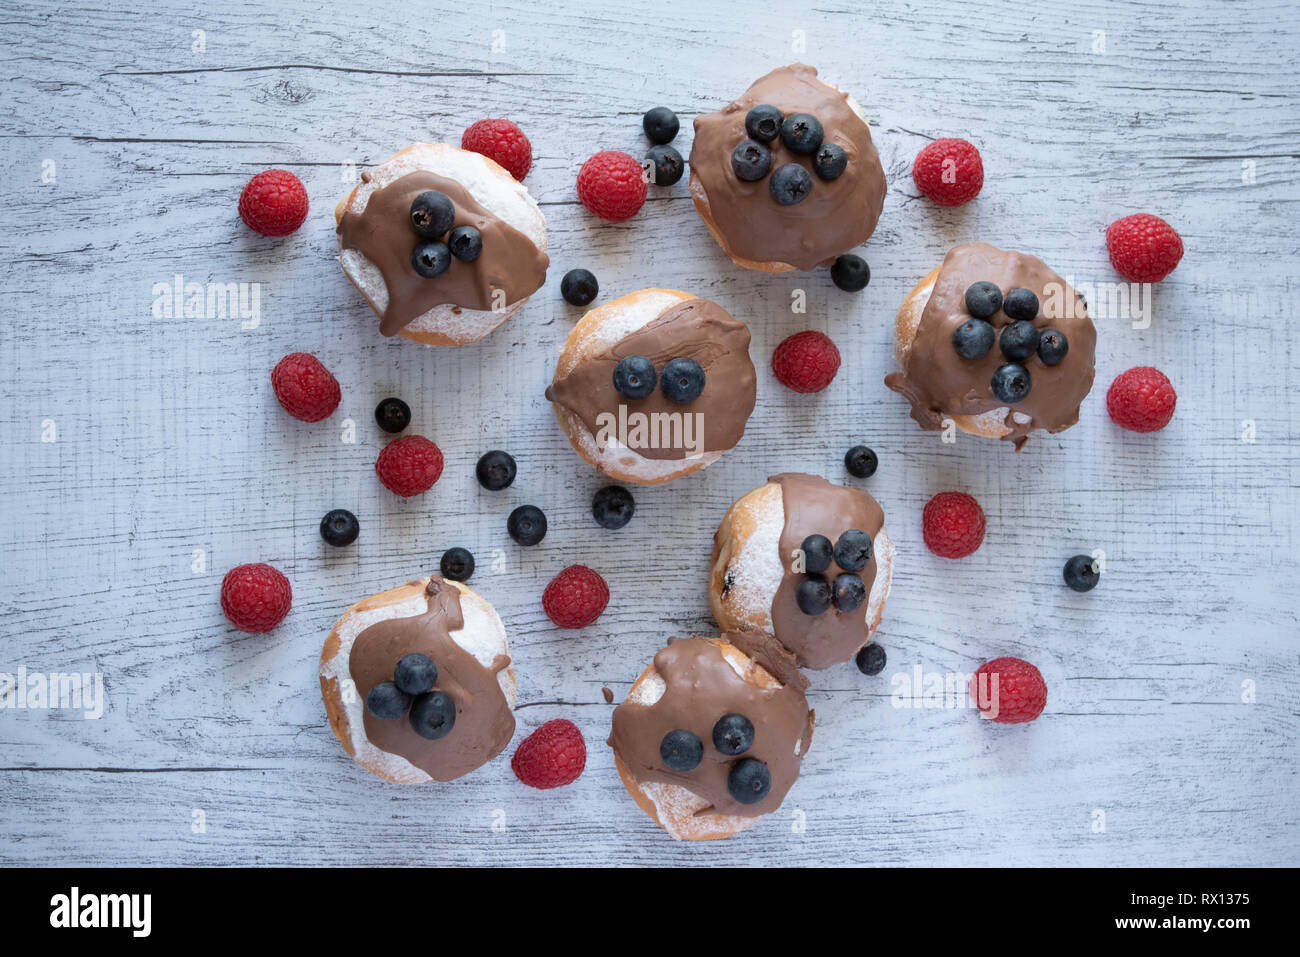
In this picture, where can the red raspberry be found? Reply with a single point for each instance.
(255, 597)
(1021, 691)
(806, 361)
(409, 465)
(274, 203)
(952, 525)
(949, 171)
(305, 387)
(612, 185)
(552, 756)
(1141, 399)
(1143, 248)
(576, 597)
(502, 141)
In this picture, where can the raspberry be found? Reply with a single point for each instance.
(274, 203)
(1143, 248)
(612, 185)
(949, 171)
(952, 525)
(806, 361)
(1141, 400)
(409, 465)
(576, 597)
(255, 597)
(502, 141)
(1020, 694)
(304, 387)
(552, 756)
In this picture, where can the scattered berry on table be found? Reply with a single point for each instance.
(612, 185)
(1141, 399)
(575, 597)
(339, 527)
(1143, 248)
(861, 461)
(667, 165)
(871, 659)
(612, 506)
(806, 361)
(502, 141)
(579, 287)
(552, 756)
(1021, 691)
(304, 387)
(255, 597)
(850, 272)
(409, 466)
(495, 470)
(527, 525)
(457, 564)
(952, 525)
(392, 415)
(1081, 573)
(949, 171)
(660, 125)
(273, 203)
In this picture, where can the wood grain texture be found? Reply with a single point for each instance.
(169, 440)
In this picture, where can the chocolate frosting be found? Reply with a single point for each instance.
(836, 215)
(510, 261)
(697, 329)
(702, 686)
(939, 383)
(484, 722)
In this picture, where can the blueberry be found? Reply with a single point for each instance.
(763, 123)
(1018, 340)
(983, 299)
(851, 273)
(387, 701)
(612, 506)
(860, 461)
(457, 564)
(802, 133)
(817, 553)
(683, 380)
(790, 184)
(393, 415)
(668, 165)
(853, 550)
(848, 591)
(830, 161)
(1052, 346)
(495, 470)
(635, 377)
(431, 260)
(750, 160)
(465, 243)
(1081, 573)
(579, 287)
(339, 527)
(432, 214)
(813, 596)
(871, 659)
(733, 734)
(415, 673)
(527, 525)
(749, 781)
(681, 750)
(433, 715)
(1011, 382)
(973, 339)
(660, 124)
(1020, 303)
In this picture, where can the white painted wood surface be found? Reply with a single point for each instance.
(169, 440)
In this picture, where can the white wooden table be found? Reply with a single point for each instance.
(125, 148)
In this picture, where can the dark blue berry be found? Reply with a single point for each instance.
(495, 470)
(432, 214)
(790, 184)
(660, 124)
(431, 260)
(802, 133)
(668, 165)
(853, 550)
(1011, 382)
(433, 715)
(830, 161)
(683, 380)
(1018, 340)
(387, 701)
(817, 553)
(457, 564)
(415, 673)
(1052, 346)
(681, 750)
(1020, 303)
(1081, 573)
(339, 527)
(579, 287)
(851, 273)
(763, 123)
(527, 525)
(871, 659)
(749, 781)
(813, 596)
(983, 299)
(973, 339)
(848, 592)
(393, 415)
(750, 160)
(465, 243)
(733, 734)
(612, 506)
(635, 377)
(860, 461)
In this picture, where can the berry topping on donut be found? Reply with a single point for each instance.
(763, 123)
(465, 243)
(751, 160)
(973, 339)
(802, 133)
(681, 750)
(749, 781)
(733, 734)
(1020, 304)
(635, 377)
(949, 171)
(817, 553)
(1011, 383)
(433, 715)
(1018, 340)
(790, 184)
(813, 595)
(387, 702)
(503, 142)
(848, 592)
(431, 259)
(432, 214)
(682, 380)
(830, 161)
(415, 673)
